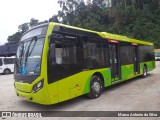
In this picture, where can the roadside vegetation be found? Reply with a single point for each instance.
(139, 19)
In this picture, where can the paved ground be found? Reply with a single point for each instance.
(139, 94)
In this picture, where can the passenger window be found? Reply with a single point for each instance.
(126, 54)
(65, 53)
(93, 50)
(8, 61)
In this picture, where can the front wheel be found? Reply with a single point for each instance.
(7, 71)
(96, 87)
(144, 72)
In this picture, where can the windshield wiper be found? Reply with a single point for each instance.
(18, 59)
(27, 53)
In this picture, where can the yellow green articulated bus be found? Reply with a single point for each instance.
(56, 62)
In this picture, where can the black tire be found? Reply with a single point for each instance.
(96, 87)
(6, 71)
(144, 75)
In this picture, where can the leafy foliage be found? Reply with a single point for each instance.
(23, 28)
(139, 19)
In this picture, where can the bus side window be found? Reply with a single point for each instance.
(93, 51)
(126, 54)
(58, 55)
(65, 53)
(8, 61)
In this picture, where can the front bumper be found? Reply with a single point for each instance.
(40, 97)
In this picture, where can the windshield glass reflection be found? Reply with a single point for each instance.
(29, 57)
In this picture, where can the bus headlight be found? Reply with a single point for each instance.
(38, 86)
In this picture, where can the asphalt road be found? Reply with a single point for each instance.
(138, 94)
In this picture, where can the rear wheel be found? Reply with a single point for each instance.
(7, 71)
(144, 72)
(96, 87)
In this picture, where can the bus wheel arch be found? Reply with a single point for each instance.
(145, 71)
(6, 71)
(96, 85)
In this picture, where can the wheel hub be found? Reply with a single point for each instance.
(96, 87)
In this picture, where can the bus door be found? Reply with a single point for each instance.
(135, 58)
(114, 60)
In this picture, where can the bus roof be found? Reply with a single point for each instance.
(123, 38)
(77, 28)
(108, 35)
(102, 34)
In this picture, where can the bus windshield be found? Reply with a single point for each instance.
(28, 57)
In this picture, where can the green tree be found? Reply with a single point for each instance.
(139, 19)
(23, 28)
(15, 37)
(54, 18)
(33, 22)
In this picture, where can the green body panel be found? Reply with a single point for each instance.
(150, 66)
(127, 71)
(77, 84)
